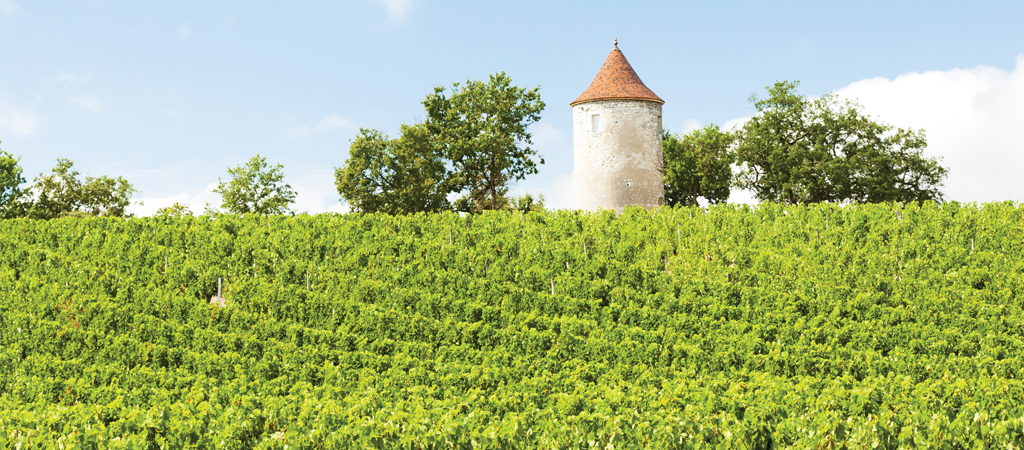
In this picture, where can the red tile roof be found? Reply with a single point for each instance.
(616, 80)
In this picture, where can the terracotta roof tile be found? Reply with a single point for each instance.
(616, 80)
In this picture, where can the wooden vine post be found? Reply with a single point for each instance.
(219, 299)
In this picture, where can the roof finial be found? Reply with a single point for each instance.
(616, 42)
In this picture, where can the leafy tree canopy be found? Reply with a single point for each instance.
(175, 210)
(797, 150)
(482, 129)
(11, 192)
(698, 165)
(475, 141)
(256, 188)
(396, 176)
(62, 193)
(526, 203)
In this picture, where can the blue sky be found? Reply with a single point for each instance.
(170, 94)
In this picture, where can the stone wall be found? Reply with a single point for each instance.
(619, 165)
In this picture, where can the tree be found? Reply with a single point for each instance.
(697, 165)
(11, 192)
(526, 203)
(256, 188)
(62, 194)
(395, 176)
(175, 210)
(797, 150)
(481, 127)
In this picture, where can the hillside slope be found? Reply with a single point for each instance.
(745, 326)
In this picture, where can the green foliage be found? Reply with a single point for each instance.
(474, 141)
(62, 194)
(698, 165)
(394, 176)
(797, 150)
(482, 128)
(11, 192)
(824, 326)
(256, 188)
(526, 203)
(175, 210)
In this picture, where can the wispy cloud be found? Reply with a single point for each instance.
(550, 140)
(17, 121)
(397, 9)
(147, 206)
(735, 123)
(690, 125)
(329, 122)
(559, 191)
(9, 8)
(315, 194)
(315, 191)
(972, 119)
(184, 31)
(88, 102)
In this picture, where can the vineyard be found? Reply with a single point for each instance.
(872, 326)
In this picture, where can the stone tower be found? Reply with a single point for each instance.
(616, 140)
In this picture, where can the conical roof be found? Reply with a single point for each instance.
(617, 81)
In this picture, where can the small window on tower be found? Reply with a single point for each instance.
(596, 118)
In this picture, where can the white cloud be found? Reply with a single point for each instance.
(195, 202)
(184, 31)
(735, 123)
(334, 121)
(559, 192)
(17, 121)
(973, 119)
(88, 102)
(549, 140)
(690, 125)
(555, 179)
(315, 193)
(329, 122)
(9, 8)
(397, 9)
